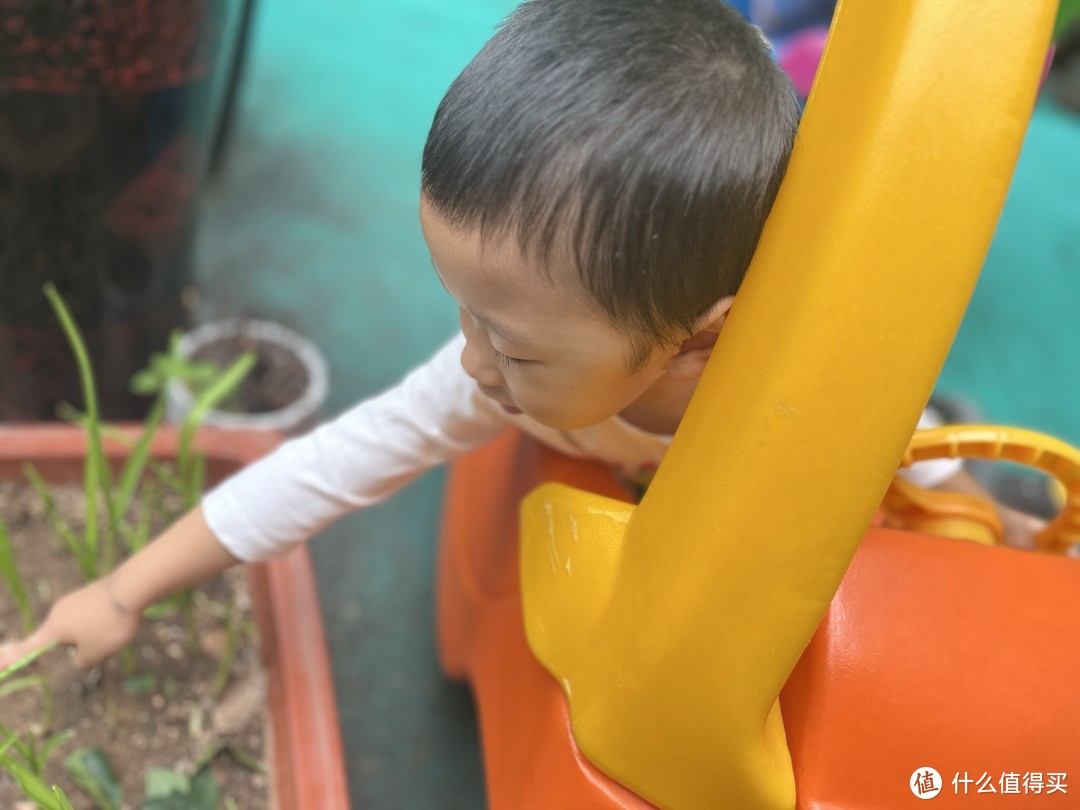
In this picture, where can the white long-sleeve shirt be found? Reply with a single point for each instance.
(374, 449)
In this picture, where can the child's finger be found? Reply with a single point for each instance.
(7, 655)
(12, 652)
(15, 651)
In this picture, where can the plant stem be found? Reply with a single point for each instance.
(96, 470)
(15, 582)
(76, 545)
(233, 633)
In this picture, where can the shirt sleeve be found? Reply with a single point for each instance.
(929, 474)
(360, 458)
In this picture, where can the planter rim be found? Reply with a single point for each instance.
(287, 419)
(304, 743)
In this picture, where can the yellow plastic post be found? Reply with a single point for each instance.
(673, 626)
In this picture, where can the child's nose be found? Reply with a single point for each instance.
(479, 364)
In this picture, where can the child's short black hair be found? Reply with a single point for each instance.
(642, 141)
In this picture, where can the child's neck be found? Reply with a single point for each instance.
(661, 407)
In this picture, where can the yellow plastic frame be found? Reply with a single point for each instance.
(673, 626)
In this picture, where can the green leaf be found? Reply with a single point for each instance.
(161, 782)
(171, 365)
(140, 684)
(145, 382)
(62, 802)
(177, 801)
(32, 786)
(90, 769)
(224, 746)
(204, 790)
(169, 790)
(54, 742)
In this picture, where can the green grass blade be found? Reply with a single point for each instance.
(96, 475)
(137, 537)
(31, 785)
(240, 756)
(159, 469)
(70, 414)
(25, 661)
(33, 682)
(52, 743)
(19, 685)
(196, 479)
(75, 544)
(138, 458)
(10, 572)
(214, 393)
(166, 475)
(13, 740)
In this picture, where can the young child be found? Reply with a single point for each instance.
(593, 187)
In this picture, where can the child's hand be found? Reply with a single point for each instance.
(90, 619)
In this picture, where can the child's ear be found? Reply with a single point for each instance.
(689, 361)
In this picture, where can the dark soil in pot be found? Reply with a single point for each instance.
(277, 380)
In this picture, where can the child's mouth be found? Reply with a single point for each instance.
(510, 409)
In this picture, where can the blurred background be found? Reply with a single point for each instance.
(310, 219)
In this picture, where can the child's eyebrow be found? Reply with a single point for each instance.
(501, 331)
(487, 323)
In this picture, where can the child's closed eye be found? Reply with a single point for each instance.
(506, 359)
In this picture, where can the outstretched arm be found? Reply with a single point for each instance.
(100, 618)
(360, 458)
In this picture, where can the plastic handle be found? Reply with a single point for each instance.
(1052, 456)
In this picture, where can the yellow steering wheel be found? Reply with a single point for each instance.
(968, 517)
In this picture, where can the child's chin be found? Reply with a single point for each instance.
(559, 422)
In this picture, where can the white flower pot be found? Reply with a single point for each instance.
(296, 417)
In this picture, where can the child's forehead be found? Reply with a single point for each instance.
(498, 251)
(495, 280)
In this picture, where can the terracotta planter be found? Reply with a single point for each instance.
(305, 750)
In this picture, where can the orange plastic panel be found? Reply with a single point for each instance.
(938, 653)
(934, 652)
(530, 758)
